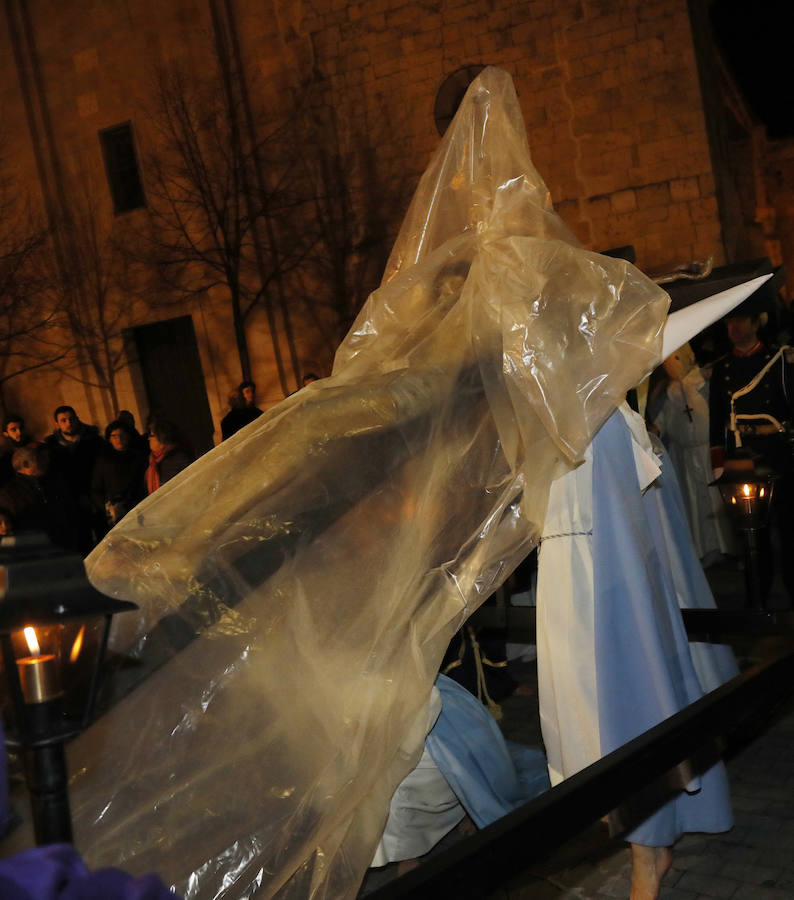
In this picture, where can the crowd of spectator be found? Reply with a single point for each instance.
(74, 484)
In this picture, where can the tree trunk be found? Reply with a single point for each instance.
(230, 58)
(222, 29)
(114, 397)
(282, 299)
(240, 335)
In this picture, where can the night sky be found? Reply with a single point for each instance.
(756, 39)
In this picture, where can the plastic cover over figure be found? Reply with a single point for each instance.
(299, 584)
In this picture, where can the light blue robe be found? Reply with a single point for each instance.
(645, 668)
(490, 776)
(467, 767)
(613, 654)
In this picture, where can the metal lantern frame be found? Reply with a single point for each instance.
(747, 494)
(42, 586)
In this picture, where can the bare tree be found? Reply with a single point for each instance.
(350, 206)
(27, 313)
(92, 290)
(213, 221)
(291, 218)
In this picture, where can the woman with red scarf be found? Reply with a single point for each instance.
(166, 457)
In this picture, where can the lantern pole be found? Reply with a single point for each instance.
(752, 579)
(47, 779)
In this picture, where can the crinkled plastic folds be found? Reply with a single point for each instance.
(298, 585)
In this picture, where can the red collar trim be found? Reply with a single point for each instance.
(756, 348)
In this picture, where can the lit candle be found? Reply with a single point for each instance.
(38, 673)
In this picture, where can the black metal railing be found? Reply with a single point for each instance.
(478, 865)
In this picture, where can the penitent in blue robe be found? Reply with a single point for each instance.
(489, 775)
(613, 656)
(467, 767)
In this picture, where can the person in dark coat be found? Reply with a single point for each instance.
(117, 483)
(74, 447)
(37, 499)
(247, 391)
(166, 457)
(13, 438)
(242, 409)
(6, 523)
(751, 408)
(23, 496)
(138, 441)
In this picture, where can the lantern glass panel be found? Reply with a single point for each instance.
(66, 649)
(748, 501)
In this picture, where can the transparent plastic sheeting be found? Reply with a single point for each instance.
(299, 584)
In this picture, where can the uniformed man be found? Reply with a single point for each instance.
(751, 407)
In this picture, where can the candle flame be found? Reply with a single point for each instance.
(746, 490)
(761, 492)
(33, 642)
(77, 646)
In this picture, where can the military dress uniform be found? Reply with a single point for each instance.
(751, 406)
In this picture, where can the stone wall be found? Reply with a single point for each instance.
(609, 90)
(778, 214)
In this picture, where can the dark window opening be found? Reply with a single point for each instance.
(121, 166)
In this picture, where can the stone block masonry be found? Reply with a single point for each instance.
(609, 92)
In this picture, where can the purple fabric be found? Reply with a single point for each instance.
(57, 872)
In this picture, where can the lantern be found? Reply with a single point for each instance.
(53, 634)
(747, 493)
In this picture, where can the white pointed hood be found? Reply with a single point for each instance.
(683, 325)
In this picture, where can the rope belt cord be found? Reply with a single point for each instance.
(562, 534)
(750, 386)
(482, 689)
(461, 653)
(479, 659)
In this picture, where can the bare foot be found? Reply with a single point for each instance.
(406, 865)
(525, 690)
(648, 866)
(466, 828)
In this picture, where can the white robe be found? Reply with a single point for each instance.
(423, 809)
(683, 420)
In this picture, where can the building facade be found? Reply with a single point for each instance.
(638, 132)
